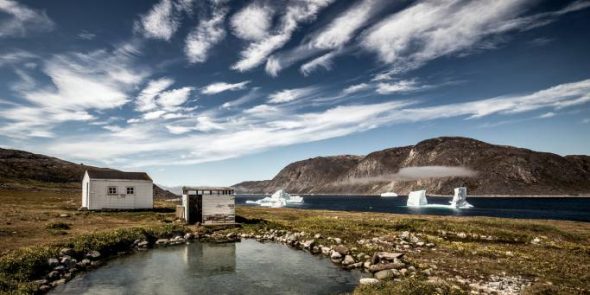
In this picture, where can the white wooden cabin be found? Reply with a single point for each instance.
(109, 189)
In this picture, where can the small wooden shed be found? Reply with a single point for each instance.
(112, 189)
(208, 205)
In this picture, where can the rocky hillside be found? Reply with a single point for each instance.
(20, 169)
(489, 169)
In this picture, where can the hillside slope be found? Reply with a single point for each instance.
(501, 170)
(20, 169)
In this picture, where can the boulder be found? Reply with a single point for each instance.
(317, 236)
(308, 244)
(66, 251)
(337, 240)
(368, 281)
(94, 255)
(58, 282)
(343, 250)
(53, 262)
(385, 256)
(383, 275)
(384, 266)
(348, 259)
(325, 250)
(53, 275)
(44, 288)
(162, 242)
(335, 256)
(143, 244)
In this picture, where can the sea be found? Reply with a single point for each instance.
(560, 208)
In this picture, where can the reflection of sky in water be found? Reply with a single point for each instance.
(248, 267)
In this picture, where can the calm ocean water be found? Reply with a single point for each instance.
(577, 209)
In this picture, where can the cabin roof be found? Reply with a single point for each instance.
(206, 188)
(114, 174)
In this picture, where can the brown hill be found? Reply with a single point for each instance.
(20, 169)
(486, 169)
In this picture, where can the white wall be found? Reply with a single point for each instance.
(85, 183)
(142, 199)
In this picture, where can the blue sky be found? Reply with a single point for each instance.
(216, 92)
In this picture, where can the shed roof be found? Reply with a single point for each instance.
(206, 188)
(115, 174)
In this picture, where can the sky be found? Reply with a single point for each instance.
(214, 92)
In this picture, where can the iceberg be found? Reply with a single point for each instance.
(460, 198)
(417, 199)
(389, 194)
(279, 199)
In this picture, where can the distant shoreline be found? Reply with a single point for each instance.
(438, 196)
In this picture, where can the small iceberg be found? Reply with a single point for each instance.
(279, 199)
(417, 199)
(460, 199)
(388, 194)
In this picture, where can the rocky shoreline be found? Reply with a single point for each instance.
(384, 261)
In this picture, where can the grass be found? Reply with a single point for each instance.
(560, 264)
(35, 224)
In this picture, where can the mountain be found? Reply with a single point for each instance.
(20, 169)
(437, 165)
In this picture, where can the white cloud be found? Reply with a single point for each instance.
(85, 35)
(343, 27)
(207, 34)
(288, 95)
(253, 22)
(431, 29)
(171, 99)
(401, 86)
(547, 115)
(153, 115)
(146, 100)
(161, 22)
(296, 12)
(333, 36)
(22, 19)
(219, 87)
(324, 61)
(268, 126)
(356, 88)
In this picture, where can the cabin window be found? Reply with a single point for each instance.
(130, 190)
(112, 190)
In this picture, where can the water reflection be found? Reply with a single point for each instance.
(207, 259)
(248, 267)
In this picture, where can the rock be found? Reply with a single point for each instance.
(64, 215)
(354, 265)
(403, 271)
(317, 236)
(368, 281)
(40, 282)
(85, 262)
(335, 256)
(325, 250)
(162, 242)
(430, 245)
(367, 264)
(385, 256)
(462, 235)
(337, 240)
(58, 282)
(66, 251)
(405, 235)
(343, 250)
(53, 275)
(383, 275)
(59, 268)
(348, 259)
(188, 236)
(308, 244)
(44, 288)
(94, 255)
(52, 262)
(96, 263)
(143, 244)
(384, 266)
(420, 244)
(536, 241)
(315, 250)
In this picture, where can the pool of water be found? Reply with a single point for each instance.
(246, 267)
(577, 209)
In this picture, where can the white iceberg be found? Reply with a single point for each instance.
(417, 199)
(460, 198)
(279, 199)
(388, 194)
